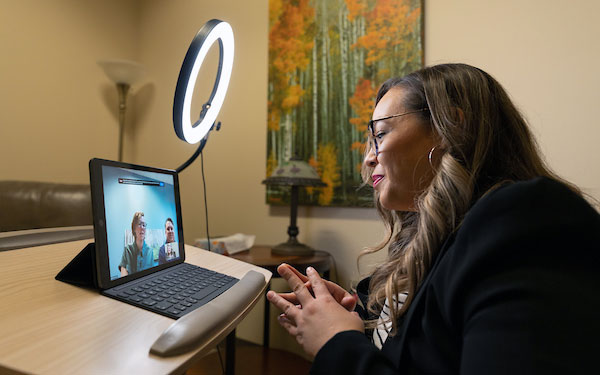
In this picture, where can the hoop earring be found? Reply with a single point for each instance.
(430, 156)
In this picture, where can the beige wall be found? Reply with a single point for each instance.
(546, 55)
(544, 52)
(55, 103)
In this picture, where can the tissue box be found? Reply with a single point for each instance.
(227, 245)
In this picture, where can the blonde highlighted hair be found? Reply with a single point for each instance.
(137, 217)
(485, 142)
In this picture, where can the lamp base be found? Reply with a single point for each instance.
(292, 248)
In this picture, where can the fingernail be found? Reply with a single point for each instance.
(310, 269)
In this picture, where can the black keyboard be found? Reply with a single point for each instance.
(174, 291)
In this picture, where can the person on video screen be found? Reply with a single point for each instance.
(167, 251)
(137, 256)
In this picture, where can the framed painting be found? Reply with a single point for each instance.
(327, 59)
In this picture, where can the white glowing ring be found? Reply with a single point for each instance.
(214, 30)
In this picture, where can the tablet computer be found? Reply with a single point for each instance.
(138, 228)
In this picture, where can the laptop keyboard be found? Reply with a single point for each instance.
(175, 291)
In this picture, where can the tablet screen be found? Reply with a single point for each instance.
(137, 223)
(141, 222)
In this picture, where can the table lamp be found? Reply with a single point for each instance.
(124, 74)
(294, 173)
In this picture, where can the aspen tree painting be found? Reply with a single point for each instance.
(327, 59)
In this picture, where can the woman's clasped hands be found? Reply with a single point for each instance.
(315, 310)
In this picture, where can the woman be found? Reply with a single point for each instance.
(492, 261)
(137, 256)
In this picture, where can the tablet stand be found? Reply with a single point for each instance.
(81, 270)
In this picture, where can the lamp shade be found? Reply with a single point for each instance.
(122, 71)
(295, 172)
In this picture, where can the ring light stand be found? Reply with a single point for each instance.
(182, 335)
(213, 31)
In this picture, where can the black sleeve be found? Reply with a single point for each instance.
(362, 292)
(522, 287)
(350, 352)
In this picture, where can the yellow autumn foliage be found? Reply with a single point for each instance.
(313, 163)
(273, 117)
(362, 104)
(360, 146)
(289, 44)
(328, 169)
(275, 9)
(271, 163)
(355, 8)
(390, 23)
(330, 172)
(292, 98)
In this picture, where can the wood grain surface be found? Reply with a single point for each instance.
(50, 327)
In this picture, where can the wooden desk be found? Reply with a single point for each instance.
(47, 326)
(260, 255)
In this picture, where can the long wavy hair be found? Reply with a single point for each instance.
(485, 142)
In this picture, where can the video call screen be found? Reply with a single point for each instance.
(141, 220)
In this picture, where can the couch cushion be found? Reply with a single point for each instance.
(32, 205)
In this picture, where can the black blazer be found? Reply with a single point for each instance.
(515, 291)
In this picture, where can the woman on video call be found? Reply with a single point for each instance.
(137, 256)
(493, 261)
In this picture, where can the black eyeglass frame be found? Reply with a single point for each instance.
(371, 128)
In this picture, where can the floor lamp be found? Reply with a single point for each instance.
(124, 74)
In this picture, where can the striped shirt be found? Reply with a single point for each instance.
(384, 323)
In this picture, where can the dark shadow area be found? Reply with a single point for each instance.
(252, 359)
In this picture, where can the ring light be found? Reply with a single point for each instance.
(214, 30)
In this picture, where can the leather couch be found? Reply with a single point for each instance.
(43, 206)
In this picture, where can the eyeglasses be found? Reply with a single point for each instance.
(372, 128)
(141, 224)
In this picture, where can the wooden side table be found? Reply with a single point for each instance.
(260, 255)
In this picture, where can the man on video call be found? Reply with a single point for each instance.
(166, 252)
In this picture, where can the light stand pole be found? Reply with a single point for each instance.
(122, 88)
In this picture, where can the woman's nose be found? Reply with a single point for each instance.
(371, 158)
